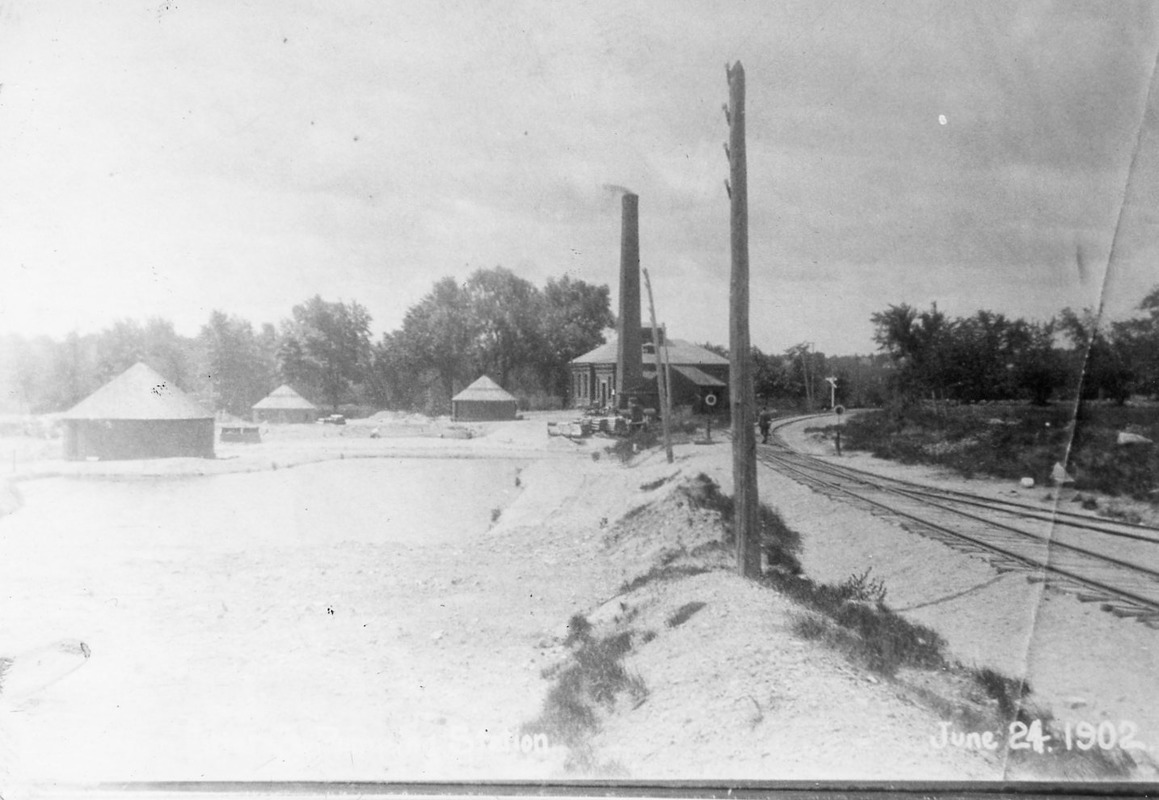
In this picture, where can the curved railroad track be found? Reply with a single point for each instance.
(1115, 564)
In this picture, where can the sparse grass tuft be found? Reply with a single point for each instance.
(661, 573)
(1009, 693)
(637, 689)
(873, 635)
(634, 512)
(598, 660)
(594, 677)
(656, 484)
(578, 630)
(495, 514)
(811, 626)
(683, 614)
(566, 716)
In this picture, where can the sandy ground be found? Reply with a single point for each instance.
(385, 614)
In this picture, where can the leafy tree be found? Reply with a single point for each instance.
(73, 372)
(1100, 363)
(1138, 341)
(861, 380)
(398, 380)
(326, 346)
(806, 372)
(917, 344)
(239, 369)
(770, 377)
(507, 313)
(156, 343)
(23, 377)
(719, 349)
(575, 316)
(437, 334)
(496, 323)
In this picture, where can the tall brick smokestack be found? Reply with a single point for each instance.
(629, 350)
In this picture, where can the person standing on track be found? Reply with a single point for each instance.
(764, 422)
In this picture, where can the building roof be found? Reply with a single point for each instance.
(485, 389)
(678, 352)
(137, 393)
(283, 398)
(699, 378)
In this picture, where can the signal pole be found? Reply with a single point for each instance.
(741, 400)
(662, 387)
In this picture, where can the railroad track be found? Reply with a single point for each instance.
(1114, 564)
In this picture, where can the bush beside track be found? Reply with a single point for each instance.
(1015, 441)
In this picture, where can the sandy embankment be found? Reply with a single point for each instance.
(294, 648)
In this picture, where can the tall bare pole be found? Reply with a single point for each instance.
(661, 381)
(741, 400)
(667, 374)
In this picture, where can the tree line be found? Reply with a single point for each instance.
(797, 377)
(499, 324)
(988, 356)
(493, 323)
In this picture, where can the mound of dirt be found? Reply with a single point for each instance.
(664, 530)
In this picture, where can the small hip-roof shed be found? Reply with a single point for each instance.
(284, 405)
(138, 414)
(483, 400)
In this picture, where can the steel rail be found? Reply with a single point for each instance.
(1053, 542)
(920, 491)
(1149, 605)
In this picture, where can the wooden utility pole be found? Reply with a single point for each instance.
(661, 381)
(741, 400)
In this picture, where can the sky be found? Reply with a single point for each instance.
(176, 157)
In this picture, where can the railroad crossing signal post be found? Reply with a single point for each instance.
(840, 412)
(832, 392)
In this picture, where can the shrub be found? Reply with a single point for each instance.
(1013, 441)
(875, 636)
(863, 589)
(640, 440)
